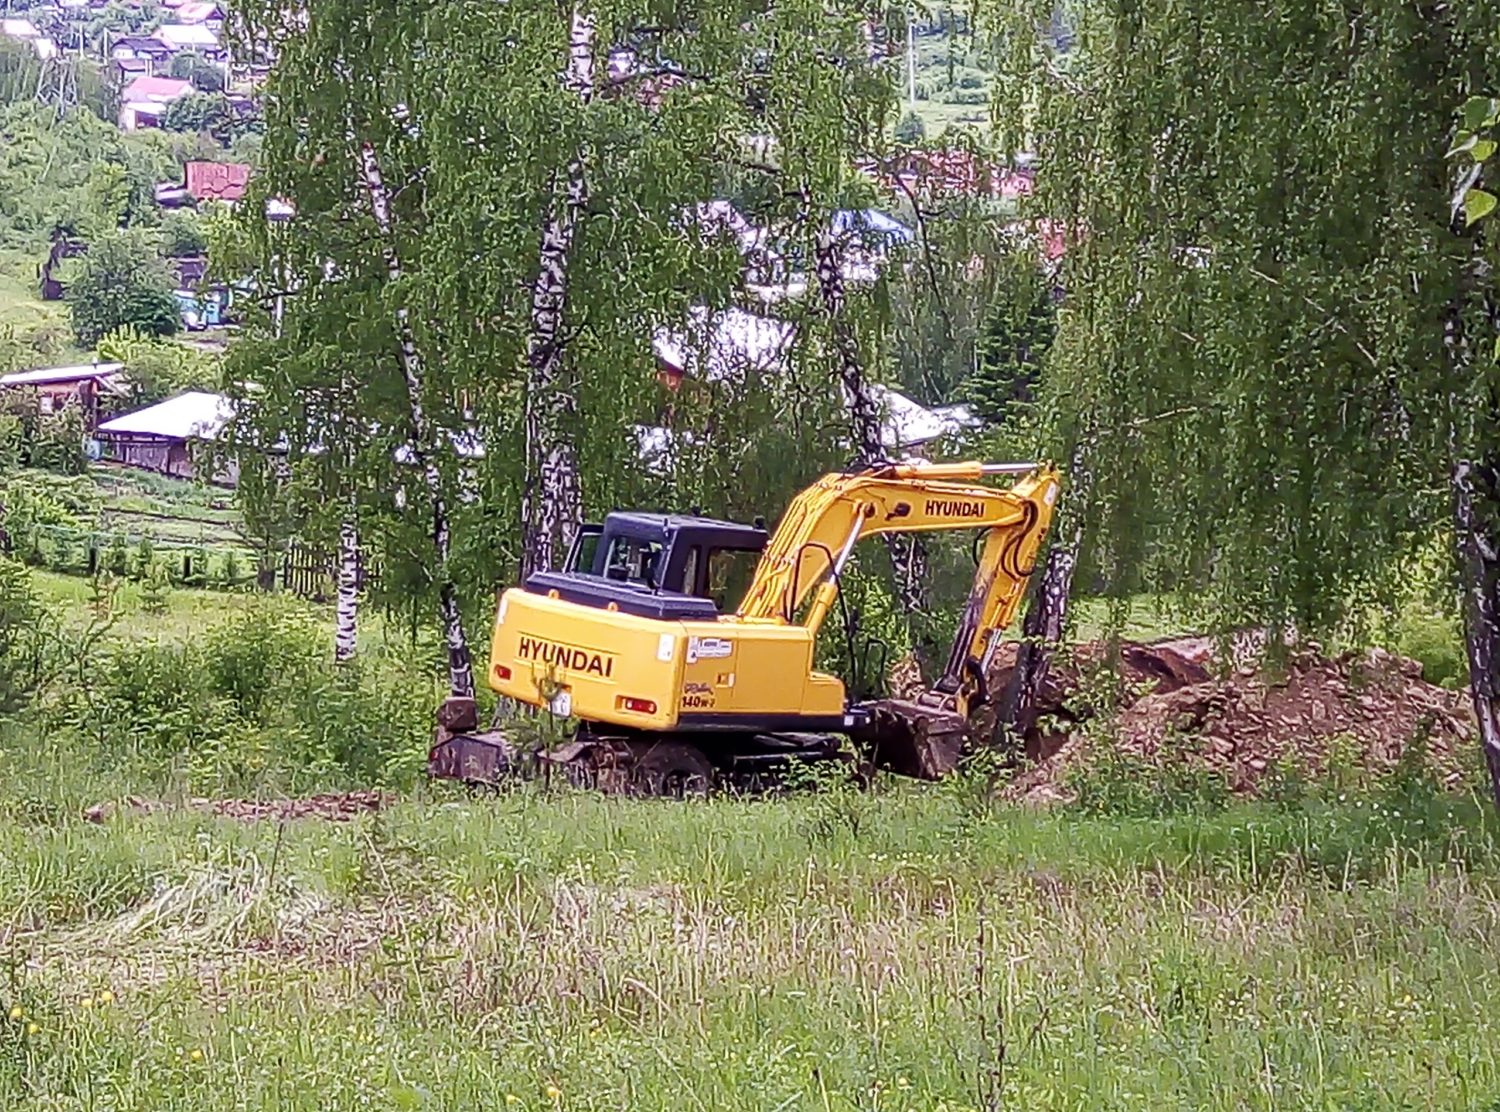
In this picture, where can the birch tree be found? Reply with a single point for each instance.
(1284, 339)
(490, 222)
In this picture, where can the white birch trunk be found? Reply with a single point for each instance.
(460, 667)
(1476, 504)
(346, 611)
(552, 498)
(1476, 525)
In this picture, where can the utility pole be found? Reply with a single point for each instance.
(911, 62)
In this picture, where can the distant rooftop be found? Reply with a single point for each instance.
(50, 375)
(194, 414)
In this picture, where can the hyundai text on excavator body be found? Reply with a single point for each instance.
(677, 681)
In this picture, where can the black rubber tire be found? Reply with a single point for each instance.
(671, 769)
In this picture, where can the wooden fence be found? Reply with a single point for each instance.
(310, 573)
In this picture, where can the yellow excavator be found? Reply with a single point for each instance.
(684, 646)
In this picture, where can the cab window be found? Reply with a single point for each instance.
(730, 572)
(633, 560)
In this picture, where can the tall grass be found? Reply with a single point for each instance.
(735, 954)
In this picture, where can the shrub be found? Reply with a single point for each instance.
(156, 588)
(256, 703)
(182, 235)
(158, 368)
(59, 443)
(1436, 641)
(122, 281)
(145, 559)
(20, 644)
(117, 556)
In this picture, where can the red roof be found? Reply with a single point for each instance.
(155, 88)
(217, 181)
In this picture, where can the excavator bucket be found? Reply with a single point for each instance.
(914, 739)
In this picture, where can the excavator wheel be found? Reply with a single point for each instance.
(671, 769)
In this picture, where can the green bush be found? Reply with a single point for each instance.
(256, 704)
(156, 588)
(144, 559)
(122, 281)
(117, 557)
(1436, 641)
(58, 445)
(1106, 781)
(20, 643)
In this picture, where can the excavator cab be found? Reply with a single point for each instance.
(663, 566)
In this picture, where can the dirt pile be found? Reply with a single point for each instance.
(331, 807)
(1366, 708)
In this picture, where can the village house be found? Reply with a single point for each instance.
(140, 55)
(144, 101)
(192, 36)
(23, 30)
(168, 437)
(58, 388)
(733, 343)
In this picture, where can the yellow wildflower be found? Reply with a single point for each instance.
(553, 1092)
(33, 1027)
(511, 1098)
(86, 1002)
(106, 997)
(16, 1012)
(195, 1054)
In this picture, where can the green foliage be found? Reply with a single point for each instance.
(75, 171)
(1258, 282)
(1473, 146)
(144, 561)
(256, 700)
(156, 588)
(58, 443)
(20, 636)
(963, 273)
(911, 130)
(157, 368)
(495, 111)
(117, 557)
(191, 66)
(202, 113)
(1013, 343)
(182, 234)
(20, 71)
(122, 282)
(1434, 639)
(1108, 781)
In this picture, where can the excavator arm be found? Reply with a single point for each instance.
(815, 539)
(826, 521)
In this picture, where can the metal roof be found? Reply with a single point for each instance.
(193, 415)
(45, 375)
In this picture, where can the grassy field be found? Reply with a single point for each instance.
(915, 948)
(897, 951)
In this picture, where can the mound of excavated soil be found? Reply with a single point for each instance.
(1169, 705)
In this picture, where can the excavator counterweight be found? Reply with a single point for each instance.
(684, 646)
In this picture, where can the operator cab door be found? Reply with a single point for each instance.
(584, 552)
